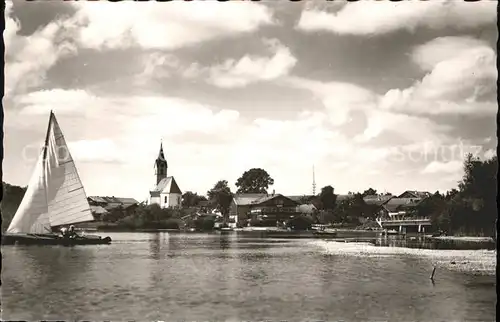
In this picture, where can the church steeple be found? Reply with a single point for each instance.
(161, 165)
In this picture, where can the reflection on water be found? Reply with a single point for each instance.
(430, 243)
(226, 277)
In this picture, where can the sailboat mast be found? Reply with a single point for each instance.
(44, 160)
(47, 137)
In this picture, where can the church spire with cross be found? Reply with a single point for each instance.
(161, 165)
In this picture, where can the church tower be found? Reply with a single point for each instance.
(166, 193)
(161, 165)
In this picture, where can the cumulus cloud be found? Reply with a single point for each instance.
(58, 100)
(134, 138)
(250, 69)
(462, 71)
(490, 153)
(165, 25)
(100, 150)
(450, 167)
(411, 128)
(441, 49)
(338, 98)
(28, 58)
(157, 65)
(380, 17)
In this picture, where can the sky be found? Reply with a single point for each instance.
(387, 95)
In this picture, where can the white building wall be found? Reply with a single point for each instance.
(153, 200)
(169, 200)
(175, 200)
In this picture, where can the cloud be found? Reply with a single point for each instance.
(28, 58)
(250, 69)
(451, 167)
(157, 65)
(380, 17)
(488, 154)
(441, 49)
(101, 151)
(462, 72)
(165, 25)
(410, 128)
(233, 144)
(58, 100)
(338, 98)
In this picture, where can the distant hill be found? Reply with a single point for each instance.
(12, 196)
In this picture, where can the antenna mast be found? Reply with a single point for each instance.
(314, 183)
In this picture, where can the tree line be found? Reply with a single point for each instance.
(468, 209)
(471, 208)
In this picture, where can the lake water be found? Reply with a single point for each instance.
(201, 277)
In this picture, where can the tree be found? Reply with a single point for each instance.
(221, 196)
(12, 197)
(302, 222)
(451, 194)
(369, 192)
(328, 198)
(472, 209)
(351, 209)
(191, 199)
(205, 223)
(255, 180)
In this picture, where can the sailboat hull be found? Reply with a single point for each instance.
(52, 239)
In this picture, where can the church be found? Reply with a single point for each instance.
(166, 193)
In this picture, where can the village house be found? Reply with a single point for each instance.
(166, 192)
(400, 208)
(267, 207)
(377, 202)
(102, 206)
(415, 194)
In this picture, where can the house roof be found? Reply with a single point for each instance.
(397, 203)
(112, 205)
(245, 199)
(98, 210)
(128, 201)
(97, 199)
(167, 185)
(299, 198)
(377, 199)
(108, 200)
(417, 194)
(270, 197)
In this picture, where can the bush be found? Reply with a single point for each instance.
(204, 223)
(262, 223)
(301, 223)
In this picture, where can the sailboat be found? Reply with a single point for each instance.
(55, 197)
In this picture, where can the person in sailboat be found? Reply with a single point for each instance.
(72, 232)
(68, 232)
(64, 231)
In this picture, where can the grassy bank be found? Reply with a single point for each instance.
(465, 238)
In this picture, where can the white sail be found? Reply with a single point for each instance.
(66, 198)
(55, 194)
(32, 214)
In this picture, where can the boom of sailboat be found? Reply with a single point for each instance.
(55, 198)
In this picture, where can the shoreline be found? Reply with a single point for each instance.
(465, 238)
(473, 239)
